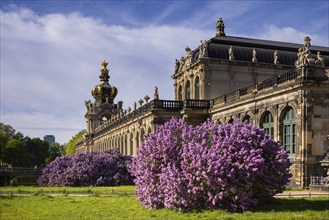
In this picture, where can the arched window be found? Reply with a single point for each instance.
(246, 118)
(180, 93)
(137, 139)
(197, 88)
(126, 146)
(121, 145)
(231, 121)
(142, 135)
(149, 130)
(131, 144)
(188, 90)
(266, 122)
(288, 129)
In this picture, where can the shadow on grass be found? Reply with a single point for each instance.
(295, 205)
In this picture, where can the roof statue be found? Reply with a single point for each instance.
(177, 64)
(156, 93)
(230, 53)
(307, 42)
(254, 55)
(276, 57)
(304, 54)
(202, 48)
(146, 98)
(220, 28)
(140, 101)
(319, 61)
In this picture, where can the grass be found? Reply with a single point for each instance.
(118, 206)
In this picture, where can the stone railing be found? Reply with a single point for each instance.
(319, 181)
(19, 171)
(168, 105)
(256, 88)
(197, 104)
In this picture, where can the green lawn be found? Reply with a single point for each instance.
(120, 206)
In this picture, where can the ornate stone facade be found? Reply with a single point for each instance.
(281, 87)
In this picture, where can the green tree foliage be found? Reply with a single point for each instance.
(19, 150)
(70, 147)
(55, 150)
(38, 151)
(16, 153)
(7, 132)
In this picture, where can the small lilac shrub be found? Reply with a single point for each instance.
(231, 166)
(107, 168)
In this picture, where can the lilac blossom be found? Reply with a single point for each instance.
(235, 167)
(107, 168)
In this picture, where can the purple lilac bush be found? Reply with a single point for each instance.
(88, 169)
(231, 166)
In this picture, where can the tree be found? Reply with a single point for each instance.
(55, 151)
(7, 132)
(19, 150)
(16, 154)
(70, 147)
(38, 150)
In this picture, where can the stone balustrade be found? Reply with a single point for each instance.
(257, 88)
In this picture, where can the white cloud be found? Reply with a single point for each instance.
(289, 34)
(50, 63)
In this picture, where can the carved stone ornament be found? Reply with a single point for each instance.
(254, 55)
(276, 57)
(188, 58)
(220, 27)
(156, 93)
(303, 56)
(319, 60)
(177, 64)
(89, 106)
(140, 102)
(231, 53)
(146, 98)
(202, 48)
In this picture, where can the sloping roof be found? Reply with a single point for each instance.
(218, 46)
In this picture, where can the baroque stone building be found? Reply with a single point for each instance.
(281, 87)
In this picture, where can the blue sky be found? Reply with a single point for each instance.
(51, 50)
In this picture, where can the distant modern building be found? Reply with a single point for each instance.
(281, 87)
(50, 139)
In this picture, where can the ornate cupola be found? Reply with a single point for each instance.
(220, 28)
(104, 92)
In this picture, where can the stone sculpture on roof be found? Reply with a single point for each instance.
(177, 64)
(304, 54)
(276, 57)
(254, 55)
(202, 48)
(156, 93)
(230, 53)
(319, 61)
(220, 26)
